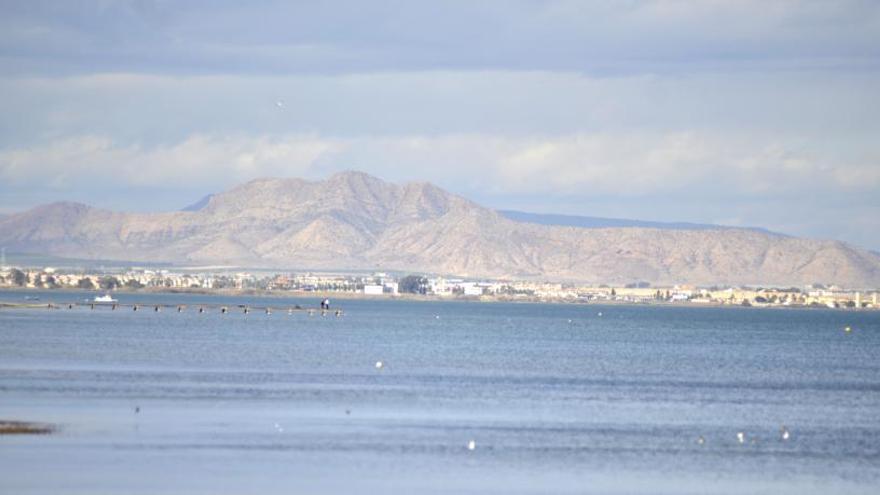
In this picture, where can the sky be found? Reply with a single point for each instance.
(754, 113)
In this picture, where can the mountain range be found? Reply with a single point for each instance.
(355, 221)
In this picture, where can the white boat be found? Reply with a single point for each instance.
(106, 298)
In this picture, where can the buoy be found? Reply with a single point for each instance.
(379, 365)
(472, 445)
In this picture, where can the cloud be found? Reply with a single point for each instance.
(152, 109)
(271, 37)
(93, 162)
(622, 164)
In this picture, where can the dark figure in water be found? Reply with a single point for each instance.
(325, 304)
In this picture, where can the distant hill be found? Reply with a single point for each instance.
(356, 221)
(599, 222)
(198, 205)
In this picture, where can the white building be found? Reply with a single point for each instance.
(373, 290)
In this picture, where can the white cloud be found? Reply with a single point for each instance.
(621, 164)
(91, 162)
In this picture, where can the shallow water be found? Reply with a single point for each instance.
(557, 399)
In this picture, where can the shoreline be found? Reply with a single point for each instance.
(348, 296)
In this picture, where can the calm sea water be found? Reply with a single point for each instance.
(557, 398)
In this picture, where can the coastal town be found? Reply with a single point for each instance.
(385, 285)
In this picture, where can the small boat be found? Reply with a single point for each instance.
(106, 298)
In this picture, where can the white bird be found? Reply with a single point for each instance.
(701, 440)
(472, 445)
(741, 437)
(785, 434)
(379, 365)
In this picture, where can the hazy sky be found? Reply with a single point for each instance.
(761, 113)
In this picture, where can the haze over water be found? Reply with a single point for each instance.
(556, 398)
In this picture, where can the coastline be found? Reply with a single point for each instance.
(349, 296)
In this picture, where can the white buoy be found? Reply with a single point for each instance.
(379, 365)
(472, 445)
(741, 437)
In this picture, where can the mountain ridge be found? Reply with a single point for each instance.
(589, 222)
(352, 220)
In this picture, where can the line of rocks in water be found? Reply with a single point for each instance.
(25, 428)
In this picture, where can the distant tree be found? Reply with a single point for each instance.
(19, 277)
(413, 284)
(38, 280)
(51, 282)
(613, 292)
(133, 284)
(109, 282)
(85, 283)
